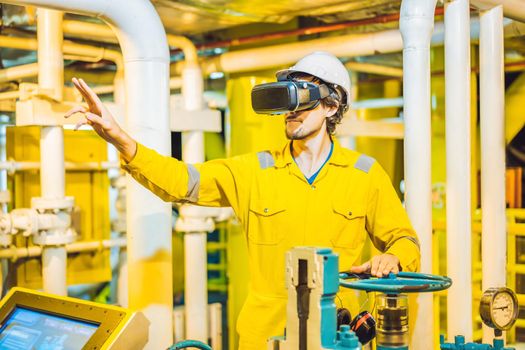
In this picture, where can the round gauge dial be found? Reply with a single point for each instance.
(499, 308)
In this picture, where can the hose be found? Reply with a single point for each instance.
(190, 344)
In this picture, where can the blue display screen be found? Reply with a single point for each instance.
(27, 329)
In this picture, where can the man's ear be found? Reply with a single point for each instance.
(331, 111)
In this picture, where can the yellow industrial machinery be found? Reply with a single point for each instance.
(88, 185)
(36, 320)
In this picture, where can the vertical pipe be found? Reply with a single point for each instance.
(457, 113)
(119, 97)
(416, 24)
(148, 219)
(52, 170)
(196, 288)
(492, 123)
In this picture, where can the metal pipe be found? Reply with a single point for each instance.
(90, 30)
(186, 45)
(374, 69)
(79, 51)
(196, 289)
(149, 219)
(119, 97)
(511, 8)
(9, 95)
(175, 83)
(492, 129)
(52, 172)
(14, 253)
(13, 166)
(458, 211)
(18, 72)
(416, 24)
(378, 103)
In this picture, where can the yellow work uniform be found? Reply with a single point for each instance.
(351, 198)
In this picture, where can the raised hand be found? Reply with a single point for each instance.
(98, 116)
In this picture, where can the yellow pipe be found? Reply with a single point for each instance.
(93, 31)
(79, 51)
(185, 44)
(374, 69)
(69, 47)
(18, 72)
(14, 253)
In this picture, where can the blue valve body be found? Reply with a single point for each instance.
(459, 344)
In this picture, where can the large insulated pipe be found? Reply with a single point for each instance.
(147, 120)
(52, 169)
(416, 24)
(457, 114)
(196, 286)
(492, 128)
(511, 8)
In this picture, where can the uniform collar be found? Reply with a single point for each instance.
(338, 155)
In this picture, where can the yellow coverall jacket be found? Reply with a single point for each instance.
(351, 198)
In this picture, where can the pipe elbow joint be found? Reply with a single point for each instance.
(416, 22)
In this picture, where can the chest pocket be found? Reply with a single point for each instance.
(348, 225)
(267, 222)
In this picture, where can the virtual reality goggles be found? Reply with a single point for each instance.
(287, 96)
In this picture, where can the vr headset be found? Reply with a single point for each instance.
(287, 96)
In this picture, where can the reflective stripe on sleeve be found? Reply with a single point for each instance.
(194, 179)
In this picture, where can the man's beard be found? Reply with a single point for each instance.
(300, 133)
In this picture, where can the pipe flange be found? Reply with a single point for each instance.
(6, 240)
(55, 237)
(6, 225)
(191, 225)
(42, 204)
(5, 197)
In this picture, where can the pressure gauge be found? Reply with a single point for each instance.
(499, 308)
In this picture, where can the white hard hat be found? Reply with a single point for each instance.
(324, 66)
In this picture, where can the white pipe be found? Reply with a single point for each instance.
(52, 169)
(119, 97)
(52, 172)
(54, 263)
(457, 113)
(416, 24)
(378, 103)
(175, 83)
(196, 284)
(149, 219)
(492, 128)
(511, 8)
(196, 288)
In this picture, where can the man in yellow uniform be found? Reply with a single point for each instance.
(311, 192)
